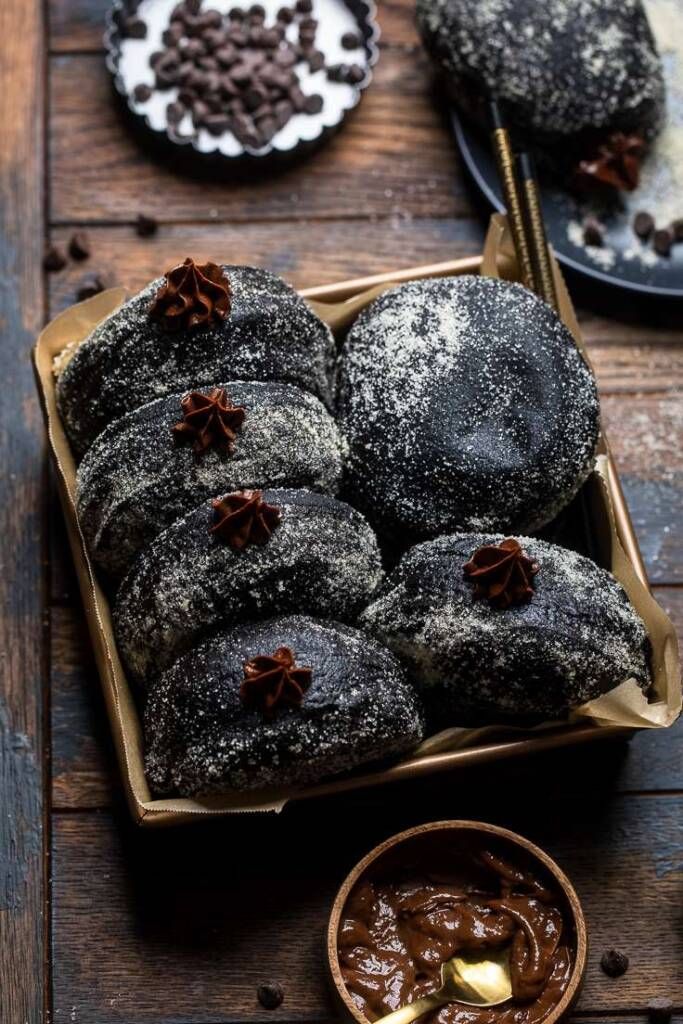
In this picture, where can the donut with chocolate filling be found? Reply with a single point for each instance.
(325, 699)
(569, 74)
(181, 333)
(467, 406)
(492, 633)
(154, 464)
(239, 557)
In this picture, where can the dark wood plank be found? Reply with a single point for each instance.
(645, 434)
(393, 158)
(305, 253)
(189, 922)
(22, 884)
(84, 773)
(78, 24)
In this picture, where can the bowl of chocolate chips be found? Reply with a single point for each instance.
(239, 83)
(456, 888)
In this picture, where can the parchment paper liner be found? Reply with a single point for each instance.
(615, 713)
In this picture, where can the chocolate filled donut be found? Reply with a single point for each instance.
(154, 464)
(282, 702)
(495, 629)
(242, 556)
(200, 324)
(569, 74)
(467, 406)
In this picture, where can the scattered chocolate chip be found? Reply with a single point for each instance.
(257, 10)
(172, 35)
(54, 259)
(355, 74)
(614, 963)
(175, 113)
(316, 60)
(677, 228)
(146, 226)
(643, 224)
(303, 6)
(285, 15)
(217, 123)
(79, 246)
(193, 7)
(142, 92)
(270, 996)
(92, 285)
(350, 41)
(659, 1010)
(313, 104)
(662, 241)
(592, 232)
(134, 28)
(236, 14)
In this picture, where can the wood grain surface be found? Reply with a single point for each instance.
(23, 896)
(180, 927)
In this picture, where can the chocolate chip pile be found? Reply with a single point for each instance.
(235, 72)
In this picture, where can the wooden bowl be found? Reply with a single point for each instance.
(418, 843)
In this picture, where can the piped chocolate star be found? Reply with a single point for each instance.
(272, 681)
(243, 518)
(209, 420)
(502, 573)
(192, 295)
(616, 164)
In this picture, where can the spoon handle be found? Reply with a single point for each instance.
(412, 1011)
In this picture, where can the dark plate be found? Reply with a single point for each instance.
(661, 276)
(199, 149)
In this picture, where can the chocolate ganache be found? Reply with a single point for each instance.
(400, 926)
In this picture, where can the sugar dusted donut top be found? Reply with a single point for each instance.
(578, 636)
(563, 69)
(201, 736)
(130, 359)
(137, 477)
(467, 406)
(321, 559)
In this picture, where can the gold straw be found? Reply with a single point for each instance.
(532, 214)
(505, 160)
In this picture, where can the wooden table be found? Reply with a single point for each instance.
(100, 922)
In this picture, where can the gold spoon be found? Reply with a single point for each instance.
(463, 980)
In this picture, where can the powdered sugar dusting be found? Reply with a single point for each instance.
(135, 480)
(466, 405)
(270, 334)
(322, 559)
(201, 738)
(562, 68)
(577, 638)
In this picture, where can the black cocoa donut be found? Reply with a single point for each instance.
(577, 637)
(321, 559)
(467, 406)
(202, 737)
(569, 73)
(130, 359)
(138, 477)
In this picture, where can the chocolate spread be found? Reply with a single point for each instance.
(398, 928)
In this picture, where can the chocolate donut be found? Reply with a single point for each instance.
(568, 74)
(240, 557)
(502, 635)
(205, 732)
(467, 406)
(152, 347)
(156, 463)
